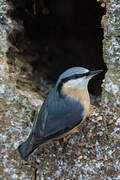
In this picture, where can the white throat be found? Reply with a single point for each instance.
(80, 82)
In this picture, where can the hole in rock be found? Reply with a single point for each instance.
(51, 36)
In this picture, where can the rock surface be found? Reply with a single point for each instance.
(111, 52)
(92, 153)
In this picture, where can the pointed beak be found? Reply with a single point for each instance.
(94, 73)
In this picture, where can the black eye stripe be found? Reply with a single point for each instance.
(74, 76)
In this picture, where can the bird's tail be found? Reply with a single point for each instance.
(27, 147)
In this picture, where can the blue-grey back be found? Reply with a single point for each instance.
(57, 114)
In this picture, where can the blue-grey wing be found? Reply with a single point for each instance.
(57, 115)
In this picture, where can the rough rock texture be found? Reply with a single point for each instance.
(111, 52)
(111, 84)
(15, 110)
(92, 153)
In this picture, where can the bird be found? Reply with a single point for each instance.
(63, 111)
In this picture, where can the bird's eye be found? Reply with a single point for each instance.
(77, 76)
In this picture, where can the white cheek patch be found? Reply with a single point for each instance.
(76, 82)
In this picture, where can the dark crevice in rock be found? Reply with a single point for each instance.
(35, 178)
(50, 36)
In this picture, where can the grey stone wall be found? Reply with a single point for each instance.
(16, 110)
(111, 54)
(92, 153)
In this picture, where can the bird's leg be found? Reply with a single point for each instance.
(58, 142)
(65, 139)
(61, 141)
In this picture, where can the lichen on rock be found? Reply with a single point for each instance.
(15, 111)
(111, 83)
(93, 152)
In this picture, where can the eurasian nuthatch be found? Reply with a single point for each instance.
(61, 114)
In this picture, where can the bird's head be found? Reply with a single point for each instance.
(75, 77)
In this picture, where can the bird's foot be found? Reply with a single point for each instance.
(65, 139)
